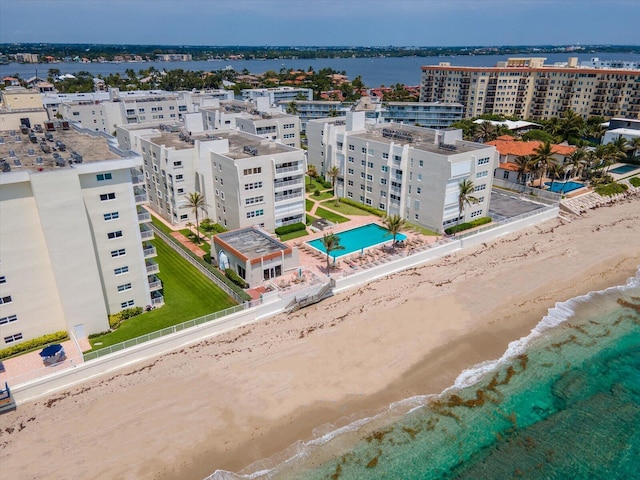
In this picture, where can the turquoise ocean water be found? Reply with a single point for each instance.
(562, 403)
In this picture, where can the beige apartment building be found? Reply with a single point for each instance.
(73, 239)
(527, 88)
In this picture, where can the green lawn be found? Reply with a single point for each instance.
(422, 230)
(187, 294)
(315, 185)
(345, 208)
(308, 204)
(292, 235)
(332, 217)
(323, 196)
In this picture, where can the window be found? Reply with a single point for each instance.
(13, 338)
(252, 200)
(368, 202)
(252, 171)
(383, 181)
(383, 193)
(252, 186)
(3, 279)
(112, 235)
(421, 163)
(350, 183)
(370, 189)
(364, 149)
(350, 159)
(385, 155)
(107, 196)
(385, 168)
(483, 161)
(349, 194)
(179, 178)
(124, 288)
(103, 176)
(350, 171)
(477, 188)
(121, 270)
(481, 174)
(505, 174)
(180, 191)
(184, 216)
(177, 164)
(8, 319)
(352, 147)
(369, 177)
(477, 213)
(419, 177)
(255, 213)
(128, 303)
(382, 206)
(361, 174)
(5, 299)
(111, 216)
(118, 253)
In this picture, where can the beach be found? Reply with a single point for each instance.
(248, 394)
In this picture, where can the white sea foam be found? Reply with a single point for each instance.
(556, 316)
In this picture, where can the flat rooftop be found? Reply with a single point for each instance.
(21, 154)
(241, 145)
(251, 243)
(418, 138)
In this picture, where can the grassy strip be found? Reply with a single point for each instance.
(345, 208)
(292, 235)
(332, 217)
(610, 189)
(322, 196)
(308, 204)
(635, 181)
(187, 294)
(422, 230)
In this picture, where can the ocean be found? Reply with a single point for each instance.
(561, 403)
(374, 71)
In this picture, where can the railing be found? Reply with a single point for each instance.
(144, 217)
(536, 194)
(168, 331)
(288, 169)
(152, 268)
(142, 198)
(279, 198)
(492, 225)
(146, 234)
(137, 179)
(157, 300)
(298, 183)
(155, 284)
(149, 252)
(178, 248)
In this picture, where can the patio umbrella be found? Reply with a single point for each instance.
(51, 350)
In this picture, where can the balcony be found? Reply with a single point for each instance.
(140, 195)
(289, 169)
(152, 267)
(149, 251)
(288, 183)
(146, 233)
(284, 198)
(143, 216)
(155, 283)
(157, 300)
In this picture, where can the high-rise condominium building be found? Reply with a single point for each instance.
(527, 88)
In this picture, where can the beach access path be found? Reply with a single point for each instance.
(249, 393)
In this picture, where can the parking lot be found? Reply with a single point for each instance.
(507, 205)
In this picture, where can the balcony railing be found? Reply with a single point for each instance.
(281, 198)
(144, 217)
(155, 284)
(152, 267)
(289, 169)
(146, 234)
(157, 300)
(149, 252)
(288, 183)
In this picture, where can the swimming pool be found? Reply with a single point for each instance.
(564, 187)
(624, 169)
(358, 239)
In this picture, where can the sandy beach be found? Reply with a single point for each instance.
(249, 394)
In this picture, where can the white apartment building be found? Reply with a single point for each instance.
(72, 245)
(20, 107)
(405, 170)
(277, 94)
(527, 88)
(246, 180)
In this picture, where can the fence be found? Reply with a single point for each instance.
(169, 330)
(534, 194)
(177, 246)
(493, 225)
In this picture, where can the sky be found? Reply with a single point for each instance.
(322, 22)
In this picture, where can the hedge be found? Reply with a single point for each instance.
(117, 318)
(33, 344)
(294, 227)
(635, 181)
(467, 225)
(235, 278)
(362, 206)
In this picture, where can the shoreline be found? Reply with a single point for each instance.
(249, 394)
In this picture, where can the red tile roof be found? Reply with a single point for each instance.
(509, 146)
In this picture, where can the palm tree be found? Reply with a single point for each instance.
(312, 172)
(195, 200)
(333, 173)
(525, 165)
(465, 197)
(577, 161)
(394, 224)
(331, 242)
(555, 171)
(544, 157)
(571, 125)
(486, 132)
(635, 144)
(292, 107)
(622, 146)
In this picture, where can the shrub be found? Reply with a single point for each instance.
(467, 225)
(294, 227)
(308, 187)
(327, 184)
(635, 181)
(362, 206)
(235, 278)
(117, 318)
(33, 344)
(316, 193)
(610, 189)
